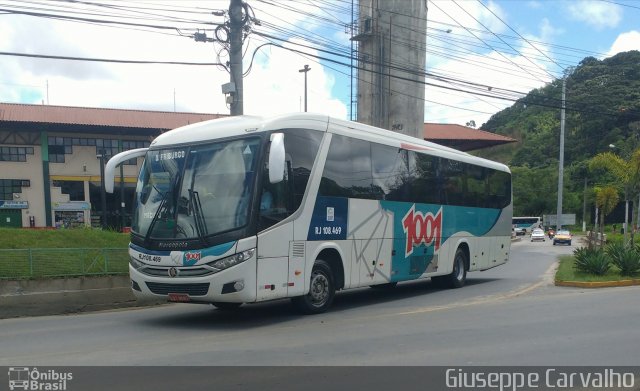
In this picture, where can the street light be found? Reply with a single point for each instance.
(103, 192)
(305, 70)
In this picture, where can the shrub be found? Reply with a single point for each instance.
(615, 250)
(628, 261)
(591, 261)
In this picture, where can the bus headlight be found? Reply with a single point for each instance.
(233, 260)
(135, 263)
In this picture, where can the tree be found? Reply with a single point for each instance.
(534, 190)
(606, 200)
(627, 177)
(471, 124)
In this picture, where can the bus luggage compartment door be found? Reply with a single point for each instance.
(272, 278)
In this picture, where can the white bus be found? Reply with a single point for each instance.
(524, 225)
(248, 209)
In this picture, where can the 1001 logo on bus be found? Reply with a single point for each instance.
(421, 228)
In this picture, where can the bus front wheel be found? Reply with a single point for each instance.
(458, 276)
(321, 291)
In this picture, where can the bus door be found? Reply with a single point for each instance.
(273, 262)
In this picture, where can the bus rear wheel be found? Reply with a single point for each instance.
(321, 292)
(458, 276)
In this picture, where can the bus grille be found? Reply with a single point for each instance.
(182, 272)
(199, 289)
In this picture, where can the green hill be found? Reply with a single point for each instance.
(602, 108)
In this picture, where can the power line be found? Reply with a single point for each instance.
(523, 99)
(340, 51)
(621, 4)
(109, 60)
(523, 38)
(480, 39)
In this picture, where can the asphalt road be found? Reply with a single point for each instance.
(511, 315)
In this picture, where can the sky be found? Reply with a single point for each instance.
(476, 50)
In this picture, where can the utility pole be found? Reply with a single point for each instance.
(122, 203)
(236, 25)
(561, 163)
(305, 70)
(103, 193)
(584, 206)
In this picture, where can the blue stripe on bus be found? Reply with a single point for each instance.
(190, 257)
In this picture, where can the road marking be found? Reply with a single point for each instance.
(547, 279)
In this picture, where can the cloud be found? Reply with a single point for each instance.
(462, 55)
(625, 42)
(22, 35)
(275, 85)
(489, 70)
(547, 31)
(534, 4)
(596, 13)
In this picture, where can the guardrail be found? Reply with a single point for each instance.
(62, 262)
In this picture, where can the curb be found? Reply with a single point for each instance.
(598, 284)
(61, 296)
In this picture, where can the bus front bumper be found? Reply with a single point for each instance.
(234, 285)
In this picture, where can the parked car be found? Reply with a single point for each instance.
(537, 234)
(562, 236)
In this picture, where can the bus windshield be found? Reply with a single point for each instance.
(193, 192)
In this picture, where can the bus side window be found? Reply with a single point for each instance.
(347, 170)
(275, 198)
(280, 200)
(390, 172)
(426, 180)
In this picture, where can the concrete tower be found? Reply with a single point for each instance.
(391, 40)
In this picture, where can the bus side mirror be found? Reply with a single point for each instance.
(276, 158)
(110, 169)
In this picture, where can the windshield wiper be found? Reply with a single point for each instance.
(163, 202)
(201, 226)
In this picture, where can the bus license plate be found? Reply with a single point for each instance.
(179, 297)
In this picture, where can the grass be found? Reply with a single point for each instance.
(15, 238)
(567, 272)
(28, 253)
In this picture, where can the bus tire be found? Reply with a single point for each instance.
(321, 292)
(226, 306)
(458, 276)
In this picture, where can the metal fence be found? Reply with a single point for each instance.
(62, 262)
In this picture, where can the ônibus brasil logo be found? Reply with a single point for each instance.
(33, 379)
(421, 228)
